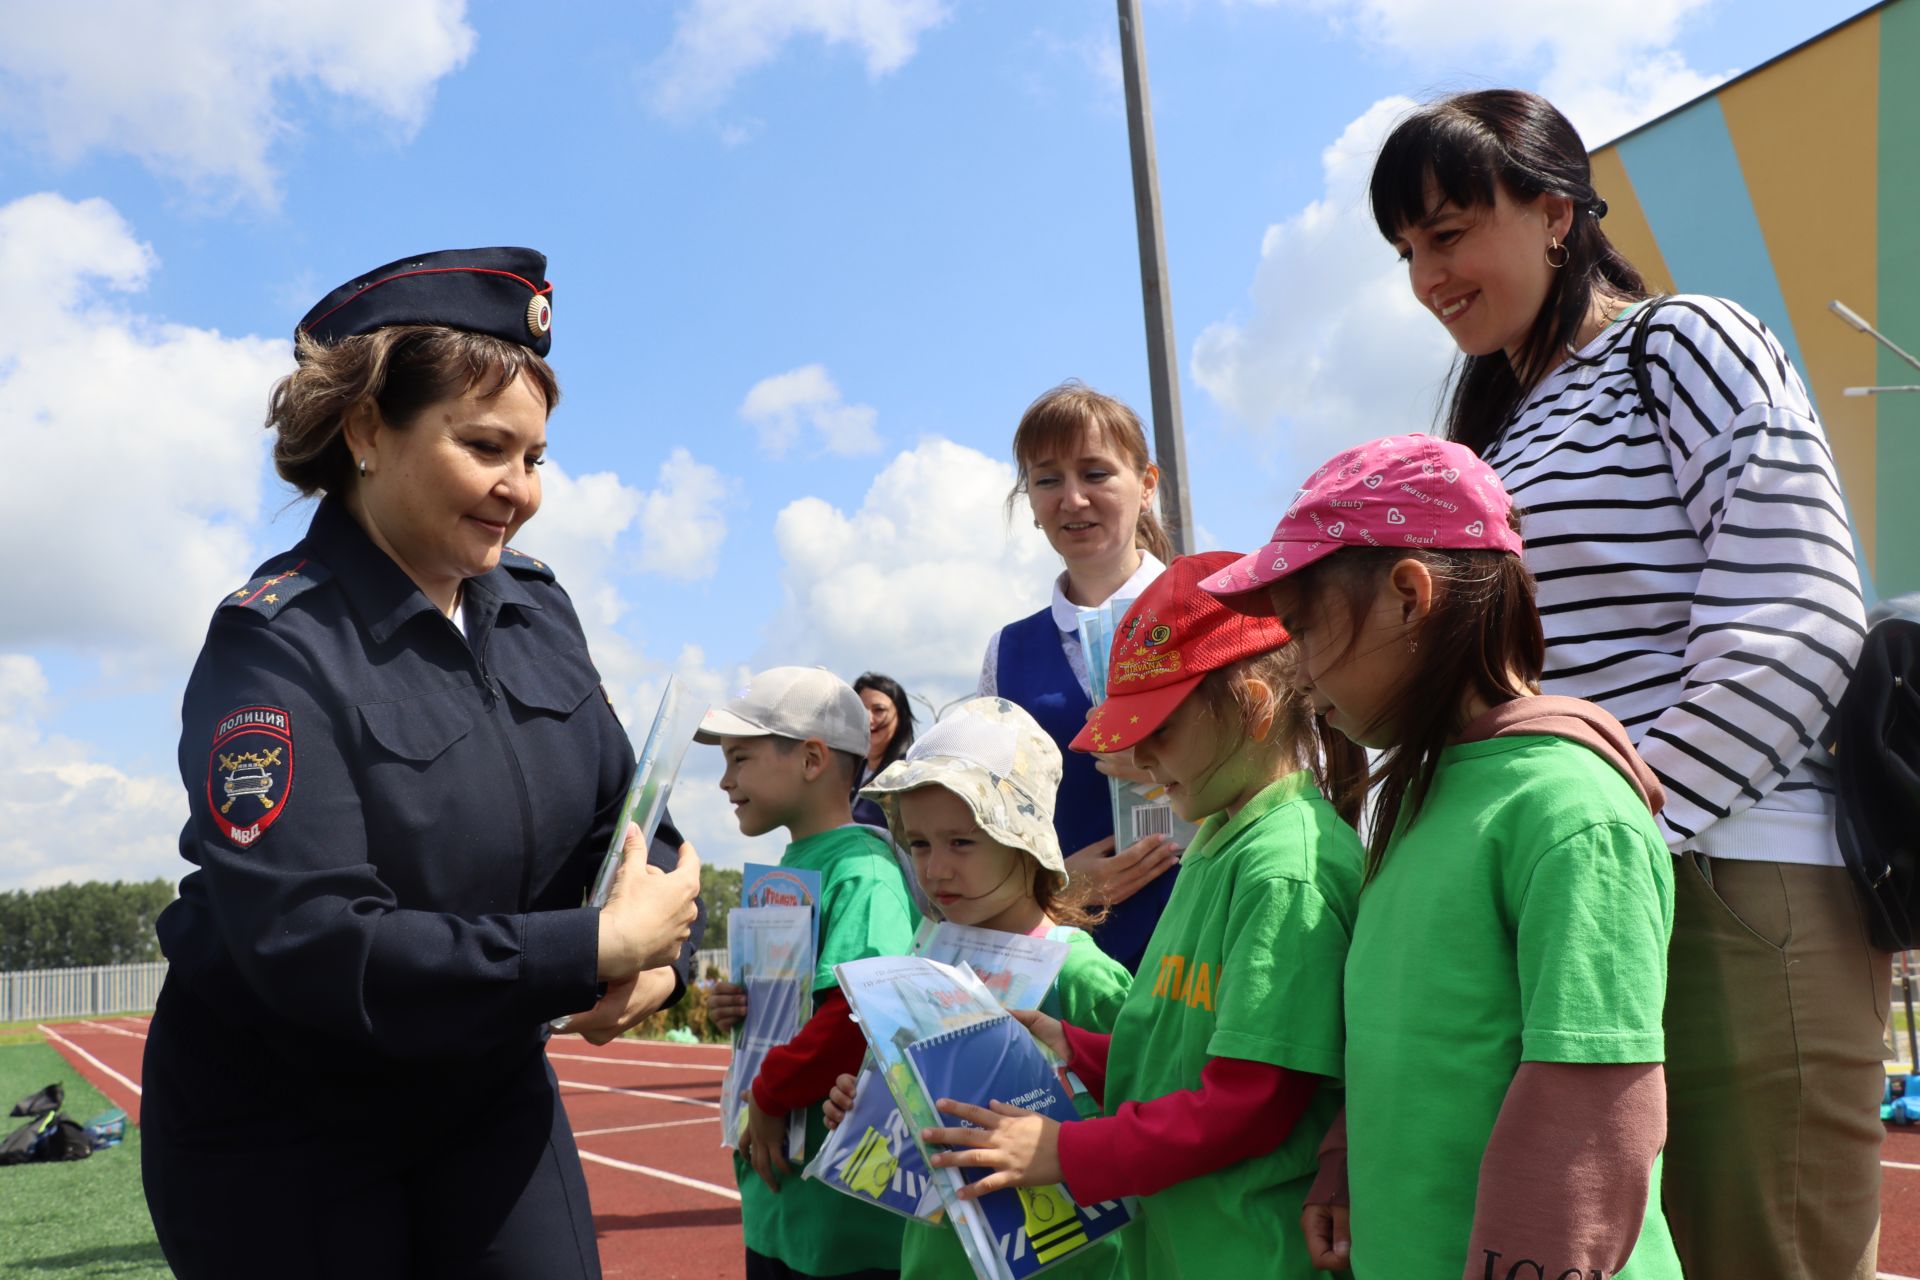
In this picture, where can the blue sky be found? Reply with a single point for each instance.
(811, 258)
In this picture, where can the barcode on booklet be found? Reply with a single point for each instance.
(1152, 820)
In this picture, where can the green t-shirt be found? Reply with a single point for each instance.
(864, 911)
(1245, 963)
(1522, 917)
(1088, 993)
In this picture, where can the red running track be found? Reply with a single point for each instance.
(646, 1117)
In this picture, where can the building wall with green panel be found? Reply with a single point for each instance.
(1785, 189)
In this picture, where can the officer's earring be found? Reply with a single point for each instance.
(363, 468)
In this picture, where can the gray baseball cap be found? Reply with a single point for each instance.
(792, 702)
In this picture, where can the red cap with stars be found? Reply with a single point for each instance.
(1174, 634)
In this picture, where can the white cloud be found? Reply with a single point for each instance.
(63, 815)
(1335, 344)
(580, 520)
(137, 445)
(779, 405)
(193, 88)
(716, 42)
(1608, 64)
(681, 525)
(915, 581)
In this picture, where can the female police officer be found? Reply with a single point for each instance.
(402, 775)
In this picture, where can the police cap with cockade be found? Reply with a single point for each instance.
(501, 291)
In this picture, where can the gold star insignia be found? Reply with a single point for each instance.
(241, 592)
(272, 598)
(1133, 720)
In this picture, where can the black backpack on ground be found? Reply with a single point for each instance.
(1875, 739)
(51, 1098)
(49, 1136)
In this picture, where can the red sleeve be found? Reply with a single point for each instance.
(1087, 1058)
(1241, 1109)
(801, 1072)
(1568, 1169)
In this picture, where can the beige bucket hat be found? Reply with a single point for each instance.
(997, 758)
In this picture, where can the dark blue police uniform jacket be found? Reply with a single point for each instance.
(394, 825)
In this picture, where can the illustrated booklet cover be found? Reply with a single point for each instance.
(937, 1032)
(654, 771)
(1139, 808)
(770, 953)
(674, 723)
(872, 1155)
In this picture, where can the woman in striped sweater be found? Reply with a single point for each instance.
(1696, 578)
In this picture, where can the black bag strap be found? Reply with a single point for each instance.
(1642, 323)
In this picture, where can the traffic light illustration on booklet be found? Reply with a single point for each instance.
(1140, 809)
(910, 1004)
(770, 953)
(658, 764)
(1019, 1231)
(871, 1156)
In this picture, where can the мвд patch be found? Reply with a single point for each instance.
(250, 772)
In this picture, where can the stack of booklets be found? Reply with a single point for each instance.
(936, 1031)
(771, 951)
(1140, 809)
(871, 1156)
(658, 764)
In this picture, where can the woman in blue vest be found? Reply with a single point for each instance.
(1082, 465)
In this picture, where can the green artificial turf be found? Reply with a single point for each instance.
(84, 1218)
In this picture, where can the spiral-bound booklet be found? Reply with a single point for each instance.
(871, 1156)
(772, 957)
(1019, 1231)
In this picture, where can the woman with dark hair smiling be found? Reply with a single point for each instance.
(1696, 575)
(890, 733)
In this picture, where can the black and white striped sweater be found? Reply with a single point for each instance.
(1696, 570)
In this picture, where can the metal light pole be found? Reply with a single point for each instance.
(1852, 317)
(1169, 442)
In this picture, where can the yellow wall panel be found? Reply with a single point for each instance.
(1806, 131)
(1626, 223)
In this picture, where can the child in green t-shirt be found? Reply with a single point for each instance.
(1505, 1095)
(972, 803)
(794, 740)
(1217, 1082)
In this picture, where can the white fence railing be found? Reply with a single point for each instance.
(80, 993)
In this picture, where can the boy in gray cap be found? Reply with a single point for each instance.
(794, 740)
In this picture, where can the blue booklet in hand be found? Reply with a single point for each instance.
(1016, 1232)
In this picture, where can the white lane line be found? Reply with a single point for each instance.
(639, 1093)
(118, 1031)
(636, 1062)
(56, 1037)
(1891, 1275)
(1895, 1164)
(604, 1054)
(728, 1192)
(636, 1128)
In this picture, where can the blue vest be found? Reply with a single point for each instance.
(1033, 672)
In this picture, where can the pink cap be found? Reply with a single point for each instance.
(1400, 491)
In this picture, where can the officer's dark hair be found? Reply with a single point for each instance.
(849, 763)
(402, 368)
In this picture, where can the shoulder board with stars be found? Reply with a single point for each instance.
(525, 565)
(269, 593)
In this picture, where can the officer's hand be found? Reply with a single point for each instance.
(727, 1005)
(647, 917)
(839, 1101)
(765, 1138)
(624, 1006)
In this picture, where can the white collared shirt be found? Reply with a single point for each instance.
(1066, 620)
